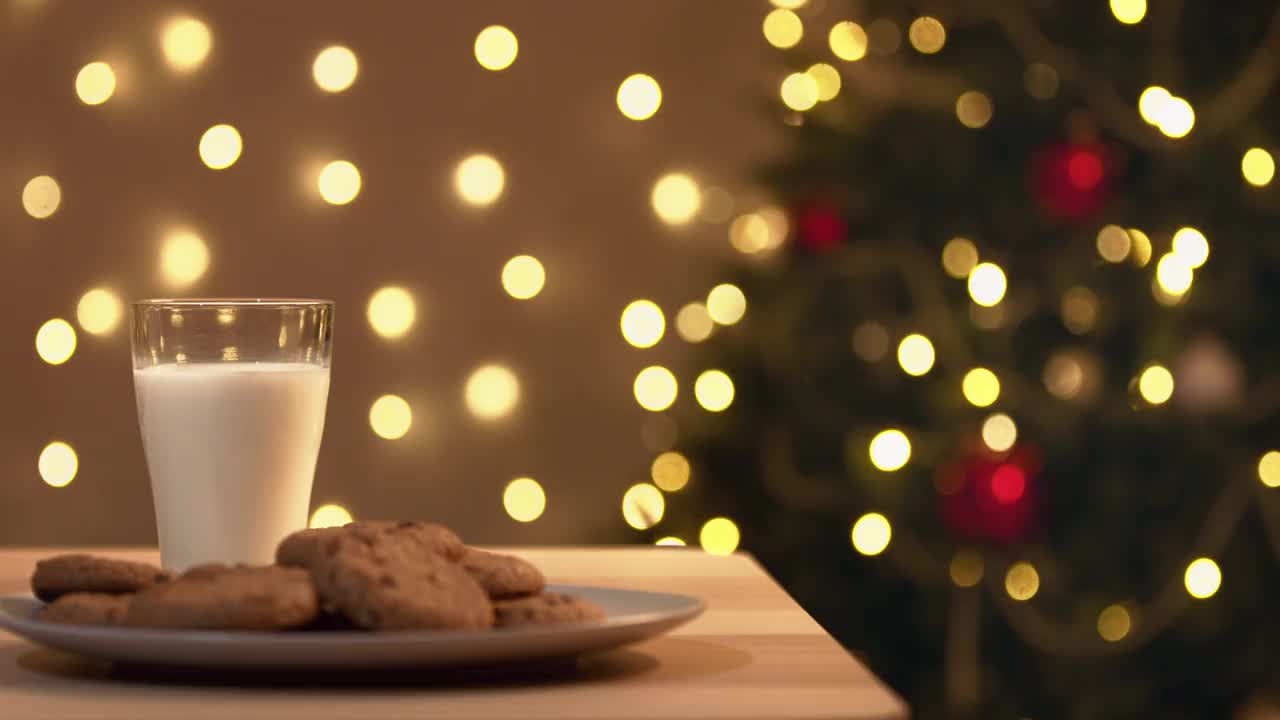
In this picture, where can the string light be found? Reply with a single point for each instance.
(56, 341)
(1114, 623)
(99, 311)
(1174, 274)
(524, 499)
(871, 534)
(185, 42)
(800, 91)
(655, 388)
(1203, 578)
(335, 68)
(41, 196)
(827, 79)
(643, 506)
(1156, 384)
(999, 432)
(1151, 103)
(915, 355)
(184, 258)
(339, 182)
(1257, 166)
(479, 180)
(1177, 117)
(1079, 310)
(966, 568)
(58, 464)
(220, 146)
(973, 109)
(391, 312)
(670, 471)
(639, 97)
(848, 41)
(1269, 469)
(1022, 582)
(95, 83)
(927, 35)
(1040, 81)
(981, 387)
(694, 323)
(643, 324)
(669, 541)
(987, 284)
(329, 515)
(959, 257)
(726, 304)
(491, 392)
(782, 28)
(496, 48)
(1141, 247)
(675, 198)
(889, 450)
(713, 390)
(1129, 12)
(1113, 243)
(719, 536)
(523, 277)
(1191, 245)
(390, 417)
(870, 341)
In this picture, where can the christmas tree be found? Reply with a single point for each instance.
(1004, 408)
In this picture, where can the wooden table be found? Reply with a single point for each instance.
(753, 654)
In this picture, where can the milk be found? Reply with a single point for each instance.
(232, 449)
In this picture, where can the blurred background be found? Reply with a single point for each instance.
(958, 315)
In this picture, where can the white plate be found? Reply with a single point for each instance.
(632, 616)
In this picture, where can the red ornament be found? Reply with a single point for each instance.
(1069, 181)
(986, 498)
(820, 227)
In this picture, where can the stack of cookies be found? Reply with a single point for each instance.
(371, 575)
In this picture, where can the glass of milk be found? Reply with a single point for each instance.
(231, 399)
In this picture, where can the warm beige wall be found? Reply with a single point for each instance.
(578, 181)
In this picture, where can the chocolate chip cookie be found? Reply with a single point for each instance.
(86, 608)
(546, 609)
(503, 576)
(385, 581)
(62, 574)
(231, 598)
(302, 547)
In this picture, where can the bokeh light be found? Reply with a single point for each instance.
(1191, 245)
(390, 417)
(496, 48)
(95, 83)
(799, 91)
(1156, 384)
(999, 432)
(1008, 483)
(524, 499)
(1203, 578)
(966, 568)
(1022, 582)
(1114, 623)
(694, 323)
(827, 79)
(58, 464)
(669, 541)
(99, 311)
(479, 180)
(1174, 274)
(523, 277)
(987, 284)
(339, 182)
(927, 35)
(670, 471)
(1257, 166)
(639, 97)
(1129, 12)
(491, 391)
(329, 515)
(959, 257)
(335, 68)
(220, 146)
(719, 536)
(391, 311)
(848, 41)
(41, 196)
(184, 258)
(889, 450)
(1141, 247)
(643, 324)
(981, 387)
(185, 42)
(655, 388)
(56, 341)
(643, 506)
(1151, 103)
(870, 341)
(789, 4)
(782, 28)
(1040, 81)
(1113, 243)
(726, 304)
(915, 354)
(1079, 310)
(974, 109)
(1269, 469)
(871, 534)
(675, 198)
(713, 390)
(1176, 117)
(1064, 376)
